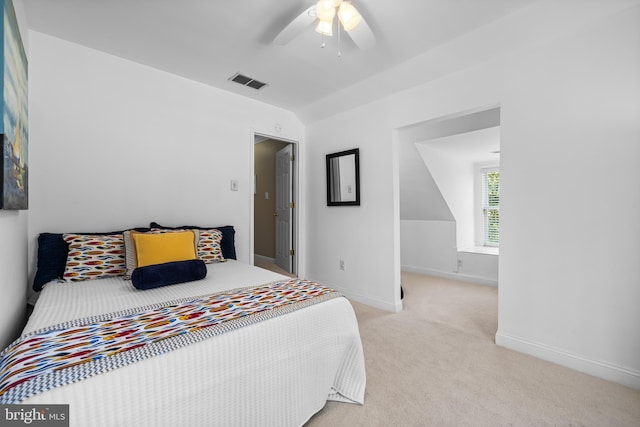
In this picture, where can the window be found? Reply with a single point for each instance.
(491, 206)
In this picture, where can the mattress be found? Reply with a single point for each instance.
(278, 372)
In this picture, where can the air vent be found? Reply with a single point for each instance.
(247, 81)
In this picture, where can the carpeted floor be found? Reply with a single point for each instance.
(436, 364)
(271, 266)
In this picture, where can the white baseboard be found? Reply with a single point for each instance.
(604, 370)
(449, 275)
(264, 258)
(382, 305)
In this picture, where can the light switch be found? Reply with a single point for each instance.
(266, 195)
(234, 185)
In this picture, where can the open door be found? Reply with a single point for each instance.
(284, 208)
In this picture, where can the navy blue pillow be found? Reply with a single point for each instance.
(169, 273)
(52, 256)
(227, 244)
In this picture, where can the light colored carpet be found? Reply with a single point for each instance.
(436, 364)
(271, 266)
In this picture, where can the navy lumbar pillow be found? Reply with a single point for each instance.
(169, 273)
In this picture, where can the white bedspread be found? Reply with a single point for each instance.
(275, 373)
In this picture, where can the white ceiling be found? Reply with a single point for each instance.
(477, 146)
(210, 40)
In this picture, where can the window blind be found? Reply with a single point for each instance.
(491, 206)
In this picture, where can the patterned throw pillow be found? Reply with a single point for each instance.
(130, 254)
(228, 236)
(94, 256)
(209, 248)
(209, 244)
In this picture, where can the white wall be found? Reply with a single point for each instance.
(13, 247)
(428, 247)
(478, 267)
(570, 109)
(117, 144)
(570, 169)
(359, 235)
(13, 265)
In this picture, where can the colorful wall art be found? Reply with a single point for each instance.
(14, 127)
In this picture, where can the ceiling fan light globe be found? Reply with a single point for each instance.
(325, 28)
(325, 10)
(349, 16)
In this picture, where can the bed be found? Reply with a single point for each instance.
(275, 371)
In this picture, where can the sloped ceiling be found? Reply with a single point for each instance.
(209, 41)
(420, 197)
(470, 137)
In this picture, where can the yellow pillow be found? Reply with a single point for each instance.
(166, 247)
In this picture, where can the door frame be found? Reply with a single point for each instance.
(297, 263)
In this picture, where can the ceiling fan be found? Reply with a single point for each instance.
(323, 14)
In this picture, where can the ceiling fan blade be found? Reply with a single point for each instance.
(295, 27)
(362, 35)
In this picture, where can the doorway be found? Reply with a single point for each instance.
(443, 181)
(274, 223)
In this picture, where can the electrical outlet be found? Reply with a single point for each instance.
(342, 267)
(459, 264)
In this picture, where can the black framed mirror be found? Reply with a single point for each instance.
(343, 178)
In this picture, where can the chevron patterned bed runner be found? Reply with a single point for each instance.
(68, 352)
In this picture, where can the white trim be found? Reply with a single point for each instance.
(264, 258)
(373, 302)
(482, 250)
(597, 368)
(448, 275)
